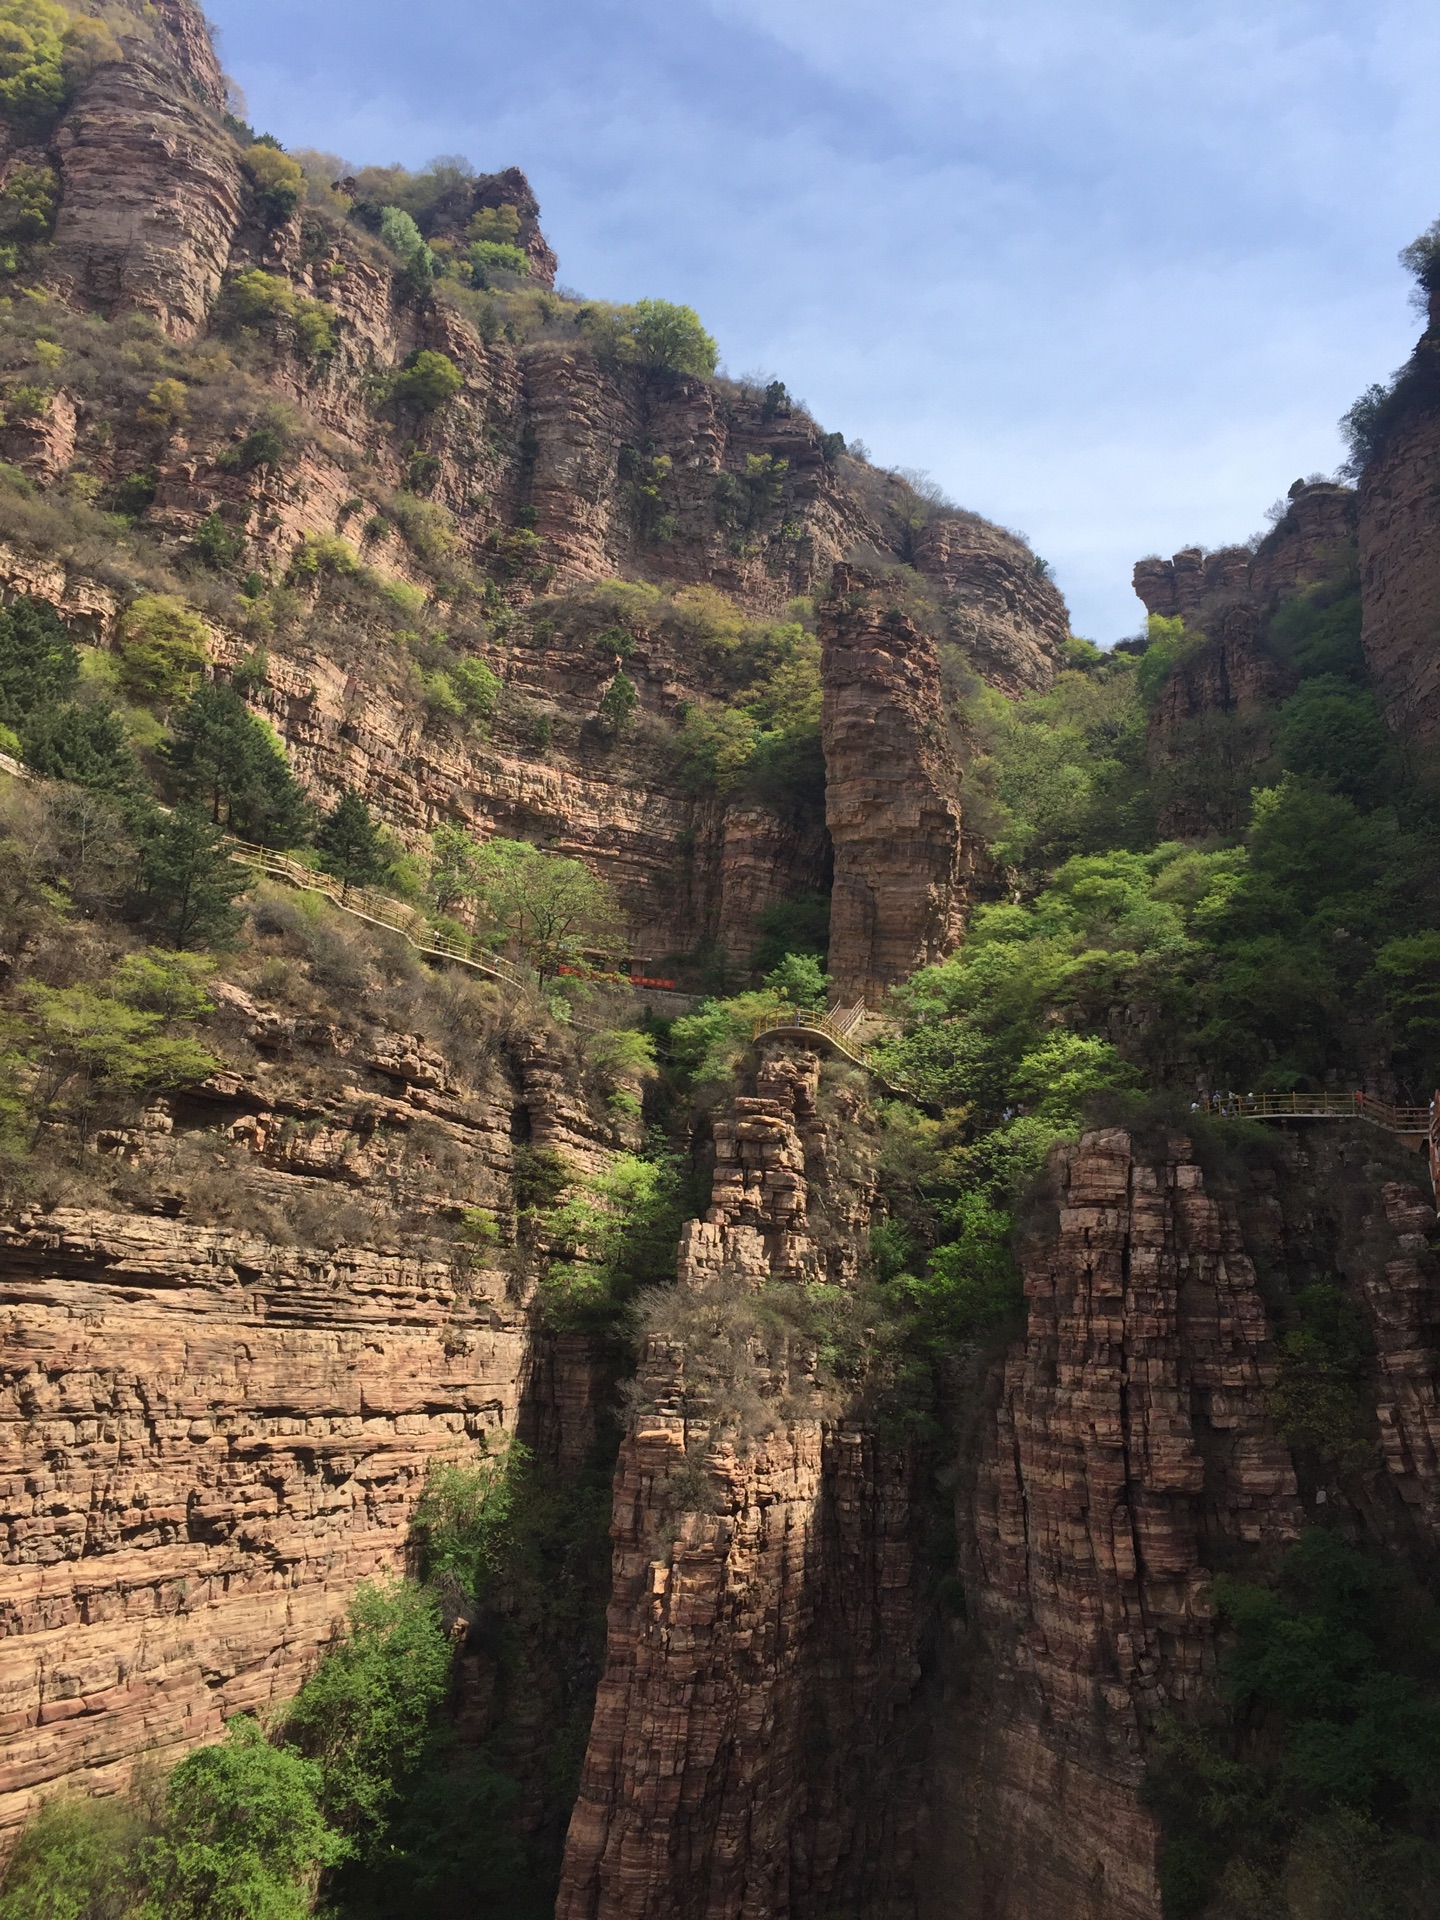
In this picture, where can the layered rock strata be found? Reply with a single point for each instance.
(1130, 1439)
(1400, 559)
(753, 1750)
(892, 793)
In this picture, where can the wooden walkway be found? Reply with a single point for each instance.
(1417, 1127)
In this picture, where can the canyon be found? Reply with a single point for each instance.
(863, 1657)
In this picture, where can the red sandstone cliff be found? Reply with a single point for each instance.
(892, 786)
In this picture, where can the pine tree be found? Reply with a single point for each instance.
(350, 844)
(187, 881)
(227, 760)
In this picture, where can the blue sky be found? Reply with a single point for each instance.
(1110, 270)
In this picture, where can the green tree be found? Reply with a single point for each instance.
(350, 843)
(400, 233)
(669, 338)
(84, 744)
(365, 1714)
(618, 703)
(39, 663)
(243, 1835)
(74, 1861)
(801, 981)
(278, 180)
(224, 758)
(551, 908)
(83, 1043)
(187, 881)
(163, 647)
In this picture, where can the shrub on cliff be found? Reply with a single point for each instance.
(163, 648)
(45, 53)
(426, 382)
(261, 304)
(400, 233)
(278, 180)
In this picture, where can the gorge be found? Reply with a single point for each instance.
(559, 1428)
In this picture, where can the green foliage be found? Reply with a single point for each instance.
(1318, 1400)
(224, 758)
(1332, 734)
(262, 303)
(365, 1714)
(278, 180)
(215, 546)
(800, 981)
(494, 256)
(669, 338)
(1409, 970)
(477, 687)
(87, 745)
(243, 1837)
(618, 703)
(351, 845)
(1422, 257)
(618, 1231)
(163, 648)
(74, 1861)
(464, 1520)
(551, 908)
(27, 206)
(1320, 1785)
(39, 663)
(44, 53)
(400, 233)
(800, 926)
(81, 1044)
(1169, 644)
(1318, 631)
(187, 881)
(426, 382)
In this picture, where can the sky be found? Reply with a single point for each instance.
(1109, 270)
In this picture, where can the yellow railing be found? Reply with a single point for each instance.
(1320, 1106)
(837, 1025)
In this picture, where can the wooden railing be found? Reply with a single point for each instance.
(1322, 1106)
(381, 910)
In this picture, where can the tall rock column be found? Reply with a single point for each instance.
(1130, 1437)
(1400, 554)
(891, 792)
(753, 1754)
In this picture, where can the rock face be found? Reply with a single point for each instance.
(1130, 1438)
(1217, 708)
(754, 1746)
(209, 1440)
(892, 786)
(1400, 566)
(1314, 541)
(152, 195)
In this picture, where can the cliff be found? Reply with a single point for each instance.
(892, 783)
(754, 1748)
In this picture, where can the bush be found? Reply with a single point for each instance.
(427, 382)
(27, 204)
(44, 53)
(215, 546)
(365, 1713)
(278, 180)
(163, 648)
(400, 233)
(477, 687)
(493, 256)
(261, 303)
(74, 1861)
(243, 1836)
